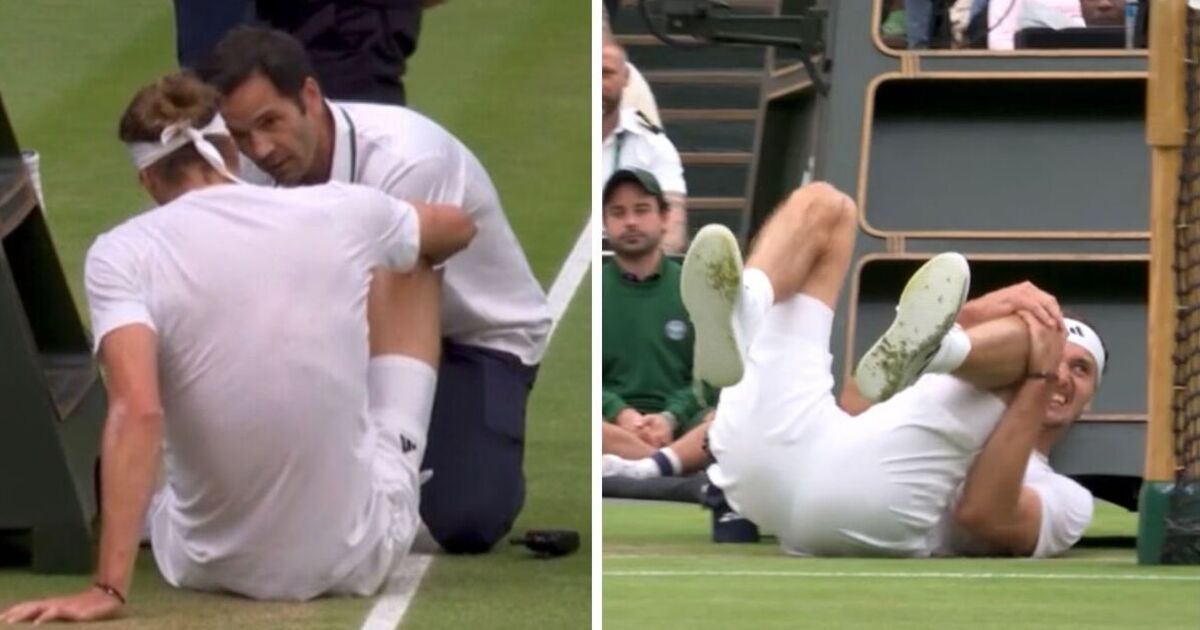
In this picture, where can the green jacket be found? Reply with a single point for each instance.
(647, 346)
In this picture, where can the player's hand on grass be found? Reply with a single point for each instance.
(655, 430)
(1046, 344)
(1025, 296)
(90, 605)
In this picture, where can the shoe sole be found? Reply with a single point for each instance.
(927, 309)
(710, 283)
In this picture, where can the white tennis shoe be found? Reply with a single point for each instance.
(928, 307)
(710, 284)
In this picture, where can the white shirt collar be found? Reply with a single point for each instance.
(342, 168)
(627, 122)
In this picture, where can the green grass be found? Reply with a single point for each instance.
(720, 586)
(514, 85)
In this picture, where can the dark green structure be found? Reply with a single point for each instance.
(52, 402)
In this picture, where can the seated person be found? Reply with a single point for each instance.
(630, 140)
(647, 339)
(952, 459)
(1006, 20)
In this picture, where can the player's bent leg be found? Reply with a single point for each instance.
(476, 448)
(814, 222)
(804, 248)
(765, 426)
(403, 314)
(400, 316)
(928, 307)
(999, 356)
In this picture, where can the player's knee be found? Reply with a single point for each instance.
(472, 525)
(471, 532)
(824, 203)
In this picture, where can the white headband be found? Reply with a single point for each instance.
(1083, 336)
(179, 135)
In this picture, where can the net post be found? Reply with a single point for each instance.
(1166, 133)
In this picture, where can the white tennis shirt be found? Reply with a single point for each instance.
(1067, 509)
(635, 144)
(258, 296)
(490, 297)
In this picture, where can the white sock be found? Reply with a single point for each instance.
(400, 391)
(672, 460)
(754, 300)
(955, 347)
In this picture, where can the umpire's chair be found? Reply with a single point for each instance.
(52, 402)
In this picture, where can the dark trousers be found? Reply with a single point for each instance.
(358, 47)
(200, 25)
(475, 448)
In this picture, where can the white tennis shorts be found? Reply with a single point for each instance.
(789, 459)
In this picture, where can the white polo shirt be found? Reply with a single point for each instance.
(1067, 509)
(490, 297)
(258, 297)
(635, 143)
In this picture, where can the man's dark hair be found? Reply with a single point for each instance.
(246, 50)
(644, 180)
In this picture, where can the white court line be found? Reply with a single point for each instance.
(566, 283)
(398, 593)
(393, 602)
(1134, 577)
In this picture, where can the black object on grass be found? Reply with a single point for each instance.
(549, 543)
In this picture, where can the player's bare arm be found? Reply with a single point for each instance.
(995, 505)
(130, 453)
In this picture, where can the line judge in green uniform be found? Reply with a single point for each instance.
(649, 399)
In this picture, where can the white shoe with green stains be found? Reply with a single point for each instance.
(926, 312)
(710, 284)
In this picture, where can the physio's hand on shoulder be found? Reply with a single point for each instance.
(1025, 296)
(1046, 344)
(90, 605)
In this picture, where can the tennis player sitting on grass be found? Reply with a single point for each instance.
(232, 324)
(952, 459)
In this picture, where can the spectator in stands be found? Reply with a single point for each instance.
(920, 18)
(648, 396)
(495, 318)
(630, 140)
(893, 24)
(1006, 17)
(637, 93)
(358, 48)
